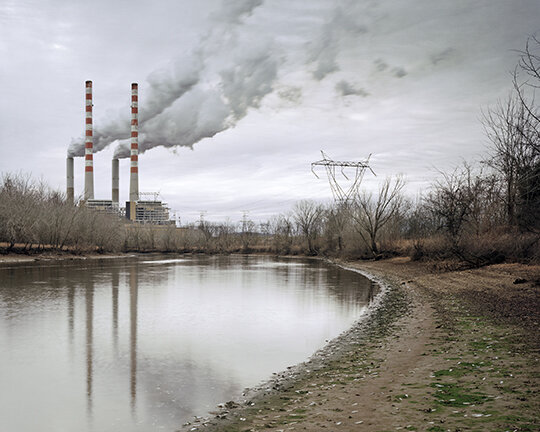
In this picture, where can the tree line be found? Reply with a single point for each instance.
(479, 213)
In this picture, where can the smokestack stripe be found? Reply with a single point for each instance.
(88, 145)
(134, 165)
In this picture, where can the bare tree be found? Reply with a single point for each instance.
(337, 221)
(308, 216)
(513, 128)
(513, 132)
(371, 214)
(527, 80)
(20, 200)
(224, 236)
(450, 204)
(282, 230)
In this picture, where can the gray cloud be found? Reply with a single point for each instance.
(345, 88)
(344, 23)
(381, 65)
(399, 72)
(442, 55)
(292, 94)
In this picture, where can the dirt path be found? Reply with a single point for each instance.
(448, 351)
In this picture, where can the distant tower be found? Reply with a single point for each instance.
(88, 147)
(115, 181)
(70, 190)
(134, 174)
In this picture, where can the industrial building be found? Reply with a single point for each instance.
(140, 211)
(108, 206)
(149, 212)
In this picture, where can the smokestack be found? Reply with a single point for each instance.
(88, 147)
(134, 174)
(70, 190)
(115, 181)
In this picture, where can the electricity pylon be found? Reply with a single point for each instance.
(343, 195)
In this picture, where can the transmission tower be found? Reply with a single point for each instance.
(343, 195)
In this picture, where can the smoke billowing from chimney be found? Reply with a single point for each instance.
(202, 94)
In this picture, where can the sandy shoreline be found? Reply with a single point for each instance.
(444, 351)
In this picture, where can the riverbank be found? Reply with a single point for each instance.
(11, 258)
(446, 350)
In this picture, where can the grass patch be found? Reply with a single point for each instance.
(453, 395)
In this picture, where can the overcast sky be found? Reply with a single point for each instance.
(237, 97)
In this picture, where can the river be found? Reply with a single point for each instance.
(146, 343)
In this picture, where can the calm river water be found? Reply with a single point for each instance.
(146, 343)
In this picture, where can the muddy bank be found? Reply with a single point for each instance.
(444, 351)
(11, 258)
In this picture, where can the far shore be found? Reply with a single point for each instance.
(11, 257)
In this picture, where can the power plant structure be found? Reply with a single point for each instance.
(88, 146)
(70, 180)
(141, 211)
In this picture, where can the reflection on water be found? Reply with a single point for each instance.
(133, 292)
(89, 292)
(145, 344)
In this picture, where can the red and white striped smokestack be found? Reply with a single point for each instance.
(88, 146)
(134, 168)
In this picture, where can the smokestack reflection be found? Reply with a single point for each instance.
(89, 298)
(133, 294)
(114, 283)
(71, 313)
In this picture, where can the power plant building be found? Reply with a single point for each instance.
(108, 206)
(148, 212)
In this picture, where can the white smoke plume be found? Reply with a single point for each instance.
(234, 66)
(202, 94)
